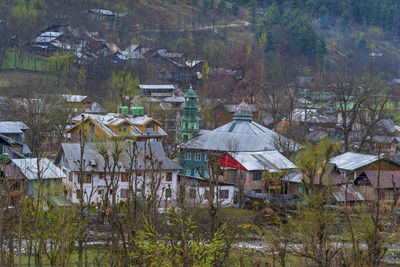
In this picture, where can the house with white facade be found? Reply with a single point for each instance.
(141, 165)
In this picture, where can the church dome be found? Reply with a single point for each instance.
(243, 112)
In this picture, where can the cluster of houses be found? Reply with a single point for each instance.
(250, 159)
(87, 45)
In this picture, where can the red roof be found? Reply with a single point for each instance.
(229, 162)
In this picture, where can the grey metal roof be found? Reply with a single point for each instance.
(71, 153)
(240, 136)
(156, 86)
(174, 99)
(47, 169)
(271, 161)
(293, 177)
(16, 127)
(74, 98)
(351, 161)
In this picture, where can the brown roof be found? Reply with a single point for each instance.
(386, 178)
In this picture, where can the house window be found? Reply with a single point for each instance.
(187, 171)
(381, 194)
(168, 177)
(150, 127)
(87, 179)
(256, 176)
(197, 156)
(125, 177)
(224, 194)
(196, 173)
(139, 173)
(91, 125)
(300, 189)
(124, 193)
(188, 155)
(122, 128)
(205, 157)
(168, 192)
(101, 176)
(192, 193)
(70, 177)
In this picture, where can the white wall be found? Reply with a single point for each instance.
(92, 189)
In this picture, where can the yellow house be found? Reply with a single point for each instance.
(113, 126)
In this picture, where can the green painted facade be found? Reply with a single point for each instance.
(189, 120)
(194, 163)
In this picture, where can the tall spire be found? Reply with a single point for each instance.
(189, 120)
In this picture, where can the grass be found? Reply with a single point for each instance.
(95, 256)
(12, 61)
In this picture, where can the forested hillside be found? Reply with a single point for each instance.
(303, 38)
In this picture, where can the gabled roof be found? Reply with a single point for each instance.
(47, 169)
(271, 161)
(12, 127)
(114, 119)
(347, 192)
(351, 161)
(74, 98)
(386, 179)
(156, 86)
(71, 153)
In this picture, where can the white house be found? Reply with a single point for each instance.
(151, 168)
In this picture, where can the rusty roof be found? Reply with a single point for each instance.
(386, 179)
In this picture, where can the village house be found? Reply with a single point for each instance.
(388, 183)
(12, 139)
(258, 171)
(341, 188)
(353, 164)
(135, 126)
(27, 178)
(159, 91)
(149, 167)
(82, 103)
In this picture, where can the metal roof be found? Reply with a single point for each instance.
(174, 99)
(351, 161)
(156, 86)
(74, 98)
(240, 136)
(387, 179)
(71, 152)
(346, 192)
(115, 119)
(47, 169)
(271, 161)
(15, 127)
